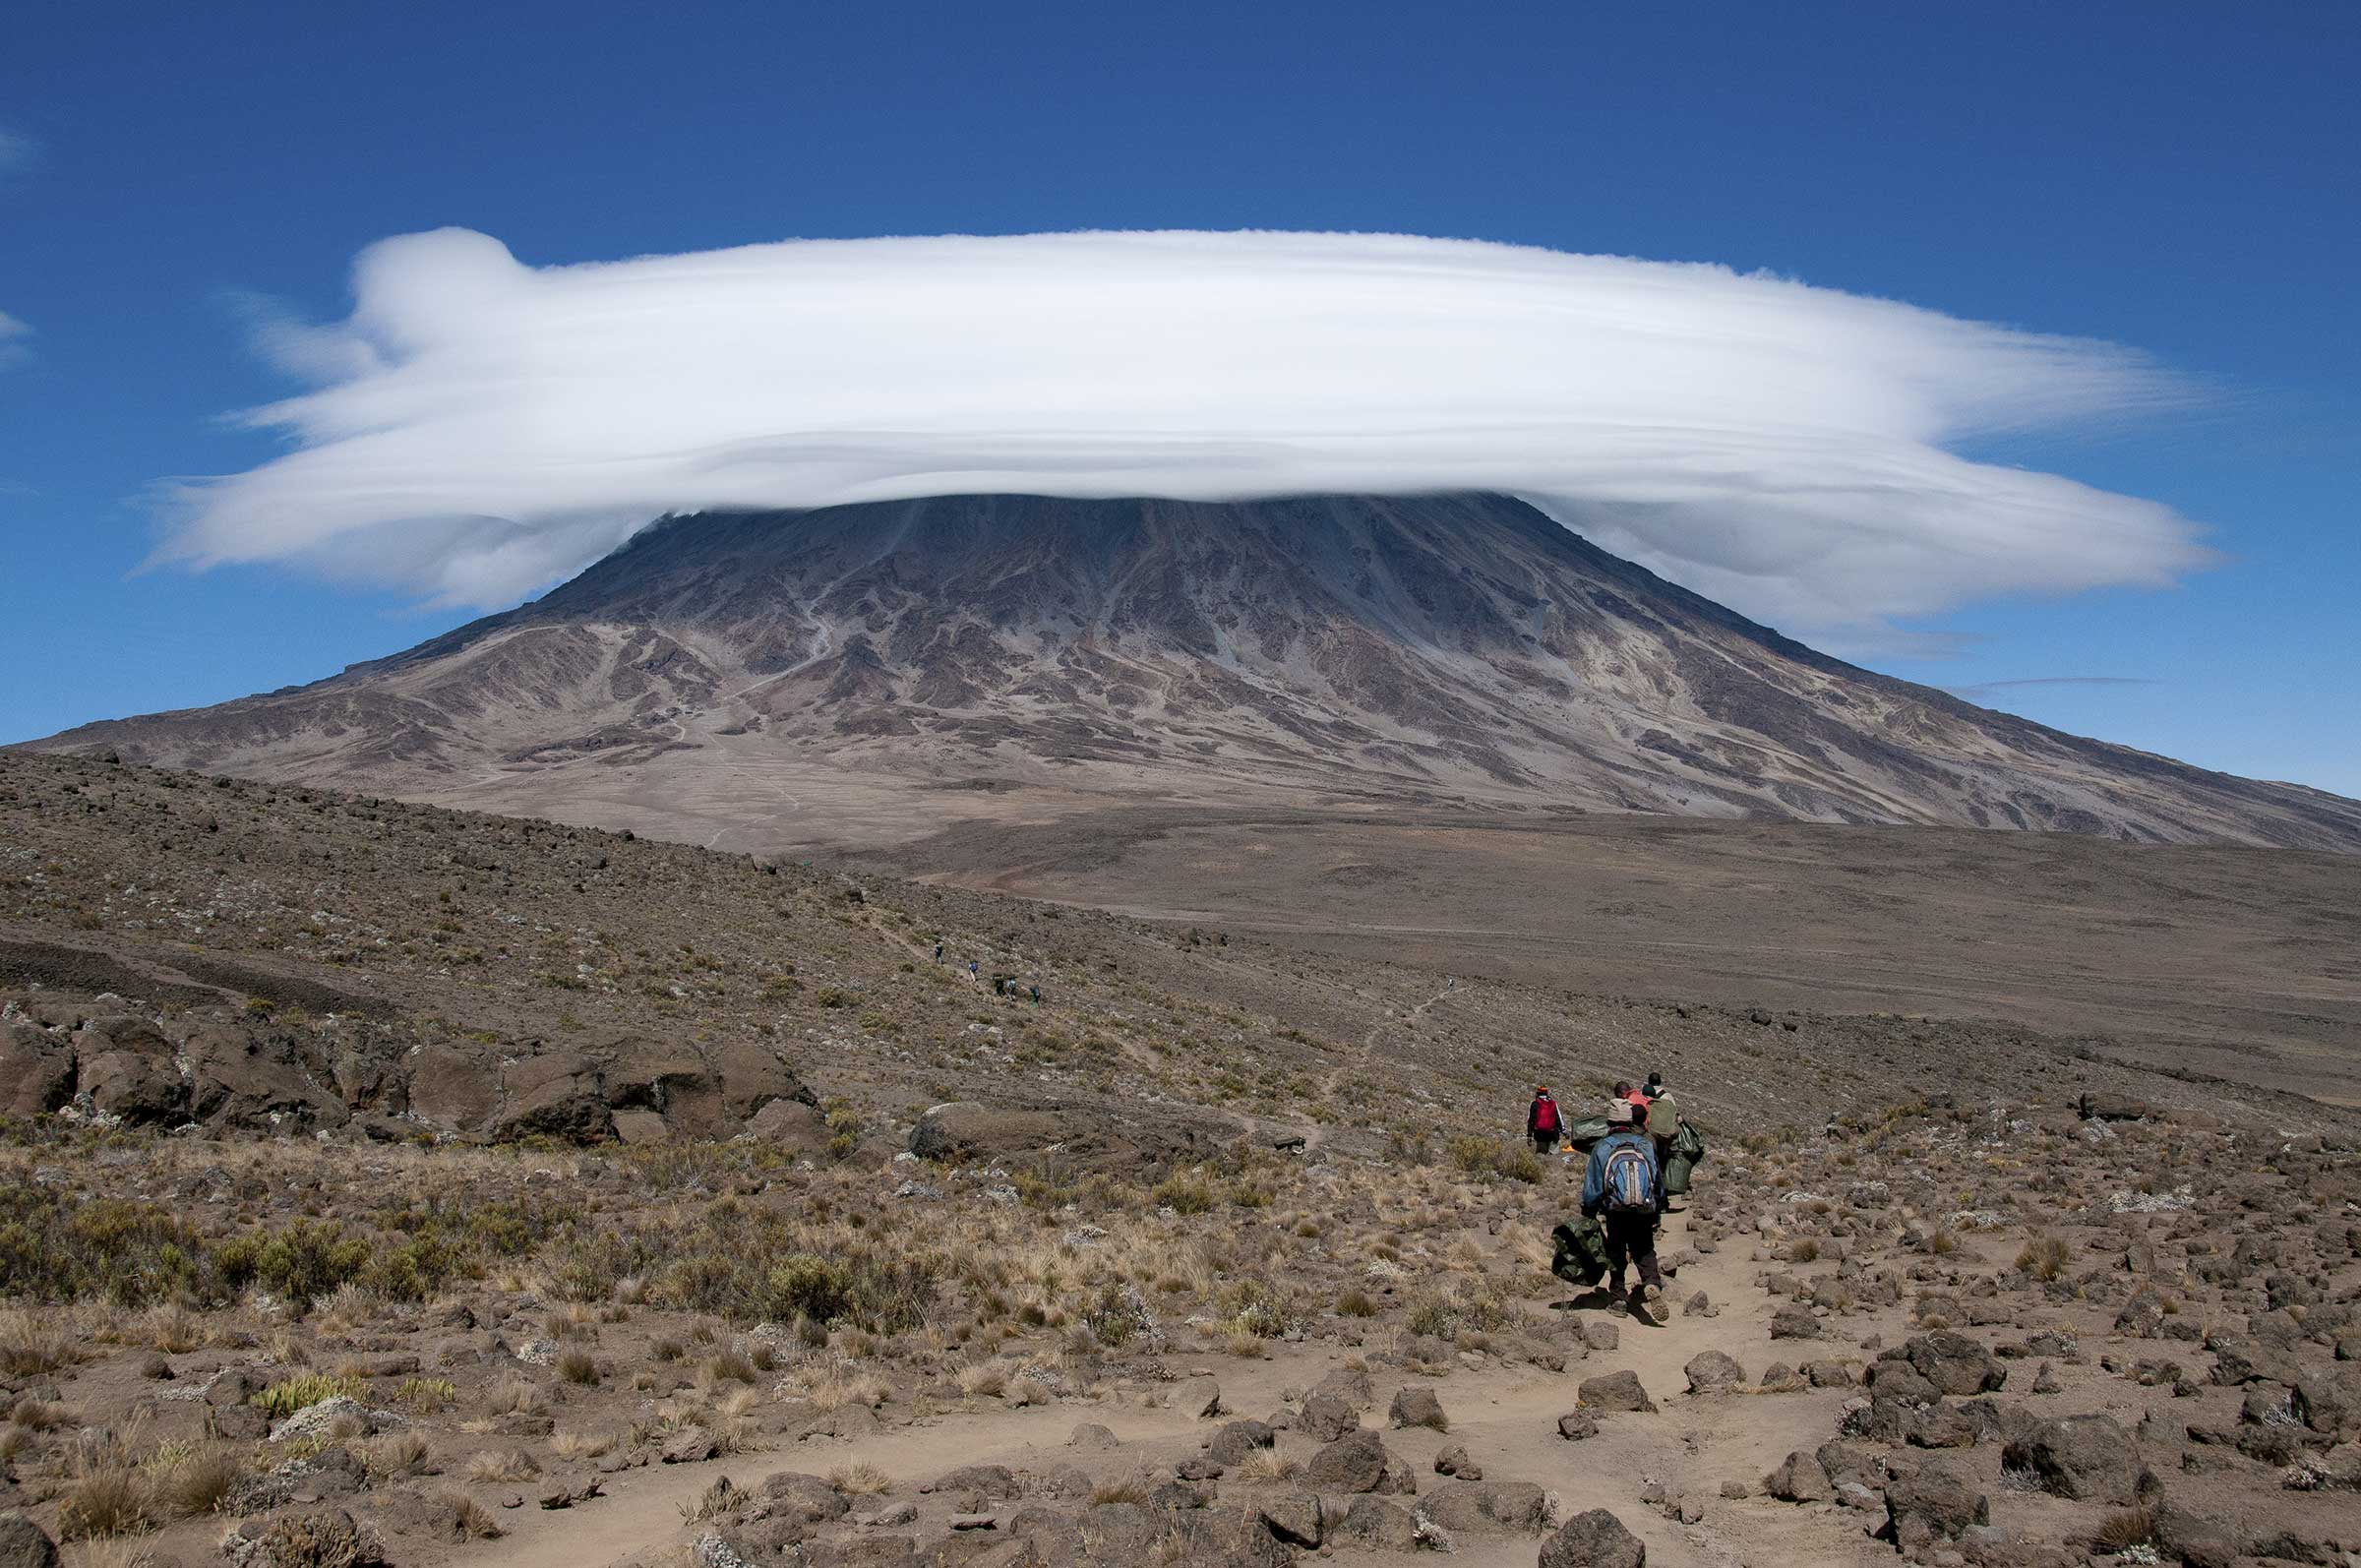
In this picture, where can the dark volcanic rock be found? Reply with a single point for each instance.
(1596, 1539)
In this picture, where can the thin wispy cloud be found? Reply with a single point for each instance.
(1986, 690)
(478, 427)
(16, 151)
(15, 340)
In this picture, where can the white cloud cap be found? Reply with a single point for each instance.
(480, 428)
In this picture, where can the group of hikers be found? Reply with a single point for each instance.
(1004, 985)
(1640, 1155)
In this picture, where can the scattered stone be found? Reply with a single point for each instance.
(1090, 1434)
(1614, 1391)
(1799, 1479)
(1600, 1335)
(1575, 1425)
(1234, 1441)
(2088, 1457)
(1327, 1417)
(1596, 1539)
(1933, 1503)
(1417, 1406)
(1488, 1507)
(24, 1543)
(1294, 1517)
(1713, 1373)
(1454, 1461)
(1358, 1463)
(690, 1445)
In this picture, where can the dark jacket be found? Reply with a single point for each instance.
(1594, 1178)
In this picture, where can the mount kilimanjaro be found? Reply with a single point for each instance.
(867, 672)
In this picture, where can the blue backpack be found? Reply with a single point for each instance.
(1629, 1183)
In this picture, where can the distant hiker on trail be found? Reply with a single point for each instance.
(1624, 1190)
(1542, 1123)
(1036, 995)
(1663, 1118)
(973, 970)
(939, 952)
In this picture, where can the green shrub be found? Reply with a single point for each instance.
(306, 1260)
(57, 1247)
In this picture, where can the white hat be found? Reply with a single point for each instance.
(1619, 1111)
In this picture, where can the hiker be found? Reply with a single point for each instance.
(1542, 1123)
(1624, 1190)
(972, 970)
(1625, 1092)
(1036, 995)
(939, 952)
(1663, 1118)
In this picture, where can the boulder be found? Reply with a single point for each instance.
(2195, 1540)
(1238, 1439)
(1456, 1461)
(1488, 1507)
(1327, 1417)
(1799, 1479)
(37, 1070)
(457, 1089)
(1294, 1517)
(1932, 1503)
(1351, 1384)
(1353, 1464)
(810, 1499)
(140, 1088)
(1596, 1539)
(1417, 1406)
(557, 1095)
(2088, 1457)
(1712, 1372)
(1575, 1425)
(1955, 1363)
(969, 1129)
(1614, 1391)
(24, 1543)
(995, 1482)
(1376, 1524)
(2112, 1108)
(236, 1079)
(791, 1124)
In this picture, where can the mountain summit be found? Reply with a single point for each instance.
(783, 676)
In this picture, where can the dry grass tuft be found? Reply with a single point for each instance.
(861, 1478)
(507, 1464)
(470, 1520)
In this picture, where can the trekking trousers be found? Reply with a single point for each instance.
(1631, 1238)
(1543, 1142)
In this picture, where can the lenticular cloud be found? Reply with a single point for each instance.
(478, 428)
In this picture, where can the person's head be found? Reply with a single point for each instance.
(1618, 1112)
(1655, 1081)
(1622, 1088)
(1639, 1116)
(1540, 1091)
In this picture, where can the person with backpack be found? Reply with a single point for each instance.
(1624, 1190)
(1542, 1123)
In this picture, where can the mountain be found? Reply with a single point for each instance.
(865, 672)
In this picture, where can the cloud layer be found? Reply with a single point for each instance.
(479, 428)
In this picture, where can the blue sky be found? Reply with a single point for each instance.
(2175, 178)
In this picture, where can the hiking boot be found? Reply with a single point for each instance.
(1614, 1292)
(1639, 1309)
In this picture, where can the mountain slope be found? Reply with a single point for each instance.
(1333, 648)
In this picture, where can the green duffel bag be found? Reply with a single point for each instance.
(1686, 1142)
(1676, 1174)
(1582, 1134)
(1579, 1255)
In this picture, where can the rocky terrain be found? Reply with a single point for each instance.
(381, 1183)
(862, 675)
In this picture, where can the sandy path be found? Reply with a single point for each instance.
(1506, 1417)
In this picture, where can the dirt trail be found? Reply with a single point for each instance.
(1506, 1417)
